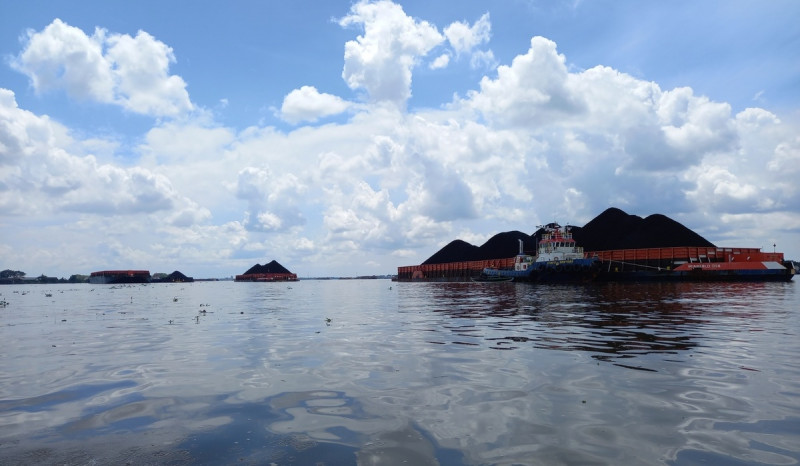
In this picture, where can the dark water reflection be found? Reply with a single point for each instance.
(373, 372)
(611, 322)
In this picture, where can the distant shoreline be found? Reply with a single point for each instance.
(57, 281)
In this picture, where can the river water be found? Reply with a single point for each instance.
(373, 372)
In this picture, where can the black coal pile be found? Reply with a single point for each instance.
(613, 229)
(174, 277)
(501, 245)
(506, 245)
(453, 252)
(272, 267)
(177, 277)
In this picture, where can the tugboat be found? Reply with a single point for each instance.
(558, 259)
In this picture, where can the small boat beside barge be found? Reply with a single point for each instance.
(558, 259)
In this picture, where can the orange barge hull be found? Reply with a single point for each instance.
(112, 277)
(267, 277)
(667, 264)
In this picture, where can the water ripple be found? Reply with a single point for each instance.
(366, 371)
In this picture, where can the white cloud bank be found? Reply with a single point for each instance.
(533, 142)
(132, 72)
(40, 177)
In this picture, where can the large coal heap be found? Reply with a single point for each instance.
(272, 267)
(177, 276)
(613, 229)
(456, 248)
(504, 244)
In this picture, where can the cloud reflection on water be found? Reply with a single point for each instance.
(361, 372)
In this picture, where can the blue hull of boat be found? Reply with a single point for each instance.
(571, 270)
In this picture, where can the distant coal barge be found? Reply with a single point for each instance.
(112, 277)
(271, 272)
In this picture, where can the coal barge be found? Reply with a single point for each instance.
(647, 264)
(113, 277)
(558, 258)
(271, 272)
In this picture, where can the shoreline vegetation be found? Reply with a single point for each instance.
(21, 279)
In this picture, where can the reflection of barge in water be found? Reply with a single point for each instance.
(113, 277)
(645, 264)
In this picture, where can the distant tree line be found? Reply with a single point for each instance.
(8, 277)
(16, 277)
(7, 273)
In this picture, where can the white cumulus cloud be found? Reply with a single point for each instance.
(463, 38)
(132, 72)
(382, 59)
(308, 104)
(40, 176)
(533, 90)
(272, 199)
(440, 62)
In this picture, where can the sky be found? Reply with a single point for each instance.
(349, 138)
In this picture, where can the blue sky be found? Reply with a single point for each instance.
(345, 138)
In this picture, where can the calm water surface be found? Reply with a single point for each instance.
(373, 372)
